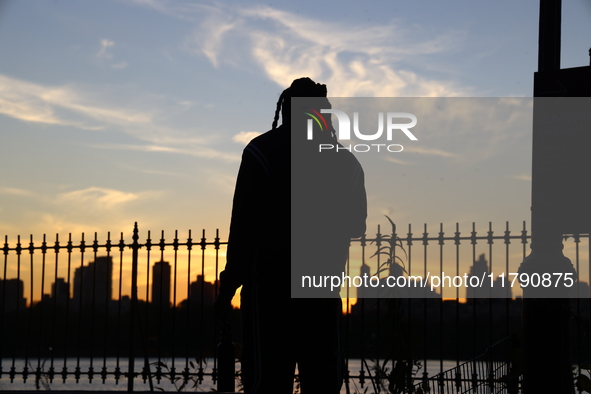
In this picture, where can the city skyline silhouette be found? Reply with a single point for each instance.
(107, 121)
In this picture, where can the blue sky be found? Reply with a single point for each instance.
(137, 110)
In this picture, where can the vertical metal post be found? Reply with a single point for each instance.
(545, 320)
(549, 35)
(134, 272)
(226, 350)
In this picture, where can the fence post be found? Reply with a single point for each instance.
(133, 307)
(546, 334)
(226, 357)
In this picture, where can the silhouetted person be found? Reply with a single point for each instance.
(293, 205)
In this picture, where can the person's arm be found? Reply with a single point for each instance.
(242, 238)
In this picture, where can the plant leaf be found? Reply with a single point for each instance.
(392, 223)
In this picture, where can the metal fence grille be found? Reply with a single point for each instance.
(138, 313)
(99, 321)
(492, 372)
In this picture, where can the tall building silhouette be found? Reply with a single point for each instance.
(12, 292)
(362, 291)
(500, 288)
(93, 283)
(202, 291)
(479, 269)
(60, 291)
(161, 283)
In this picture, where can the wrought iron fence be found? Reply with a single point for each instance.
(101, 320)
(495, 371)
(140, 314)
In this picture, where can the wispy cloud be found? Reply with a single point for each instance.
(215, 28)
(45, 104)
(12, 191)
(69, 105)
(105, 52)
(396, 160)
(120, 65)
(191, 150)
(420, 150)
(29, 102)
(429, 151)
(77, 210)
(522, 177)
(352, 60)
(359, 60)
(101, 197)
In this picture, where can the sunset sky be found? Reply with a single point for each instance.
(118, 111)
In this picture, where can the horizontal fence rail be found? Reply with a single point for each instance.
(126, 312)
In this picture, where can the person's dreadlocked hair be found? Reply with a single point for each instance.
(301, 87)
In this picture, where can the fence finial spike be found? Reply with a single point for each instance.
(135, 236)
